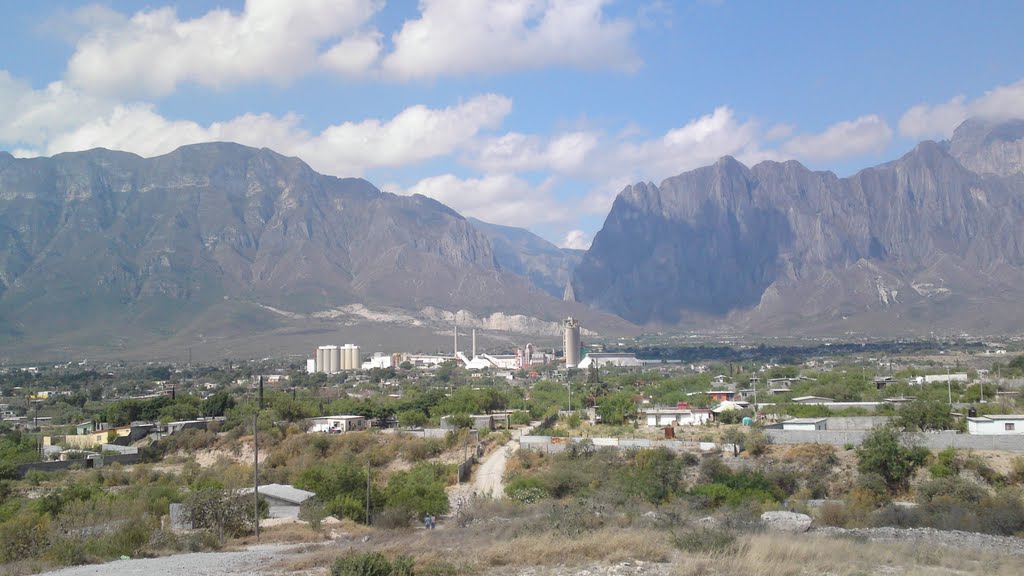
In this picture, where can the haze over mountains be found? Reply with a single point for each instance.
(219, 242)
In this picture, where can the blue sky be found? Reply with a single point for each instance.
(532, 113)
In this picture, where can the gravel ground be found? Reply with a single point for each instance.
(951, 538)
(249, 562)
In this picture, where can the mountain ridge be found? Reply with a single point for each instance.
(751, 248)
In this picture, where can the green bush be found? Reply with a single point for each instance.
(372, 564)
(706, 541)
(954, 489)
(946, 464)
(885, 452)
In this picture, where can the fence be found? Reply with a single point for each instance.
(555, 444)
(931, 440)
(62, 465)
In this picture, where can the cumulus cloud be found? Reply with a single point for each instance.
(498, 198)
(415, 134)
(565, 153)
(841, 140)
(33, 117)
(939, 120)
(154, 51)
(453, 37)
(576, 240)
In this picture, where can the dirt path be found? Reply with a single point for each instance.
(488, 478)
(253, 561)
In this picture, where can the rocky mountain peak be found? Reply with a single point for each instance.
(990, 147)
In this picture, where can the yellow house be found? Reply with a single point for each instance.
(92, 439)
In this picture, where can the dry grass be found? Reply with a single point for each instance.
(284, 533)
(775, 555)
(608, 545)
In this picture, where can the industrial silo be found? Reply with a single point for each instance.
(321, 359)
(356, 360)
(349, 351)
(571, 342)
(334, 365)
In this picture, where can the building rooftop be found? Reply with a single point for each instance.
(284, 492)
(997, 417)
(804, 420)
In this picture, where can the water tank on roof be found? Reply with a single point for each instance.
(747, 421)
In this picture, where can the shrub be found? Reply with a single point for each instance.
(706, 541)
(1016, 475)
(419, 491)
(954, 489)
(757, 443)
(946, 464)
(520, 418)
(886, 453)
(362, 564)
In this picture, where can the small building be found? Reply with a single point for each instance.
(813, 400)
(338, 424)
(996, 424)
(483, 421)
(661, 417)
(616, 359)
(805, 424)
(721, 395)
(883, 381)
(283, 500)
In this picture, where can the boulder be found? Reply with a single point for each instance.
(781, 521)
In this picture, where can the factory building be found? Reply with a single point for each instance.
(332, 359)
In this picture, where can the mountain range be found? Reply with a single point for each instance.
(217, 243)
(930, 242)
(237, 250)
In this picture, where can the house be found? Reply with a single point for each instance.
(283, 500)
(721, 395)
(813, 400)
(483, 421)
(932, 378)
(805, 424)
(96, 437)
(729, 406)
(680, 416)
(993, 424)
(720, 379)
(883, 381)
(338, 424)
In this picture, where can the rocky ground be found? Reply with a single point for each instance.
(949, 538)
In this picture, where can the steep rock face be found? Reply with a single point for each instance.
(110, 245)
(988, 147)
(523, 253)
(916, 244)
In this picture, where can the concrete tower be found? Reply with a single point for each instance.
(571, 342)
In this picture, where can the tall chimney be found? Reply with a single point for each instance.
(456, 351)
(474, 343)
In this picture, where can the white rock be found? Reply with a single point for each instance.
(786, 521)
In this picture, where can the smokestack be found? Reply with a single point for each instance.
(456, 351)
(474, 342)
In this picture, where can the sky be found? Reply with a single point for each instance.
(529, 113)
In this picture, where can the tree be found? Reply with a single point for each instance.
(616, 409)
(419, 491)
(412, 418)
(224, 512)
(921, 415)
(885, 452)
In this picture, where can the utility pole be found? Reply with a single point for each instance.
(949, 387)
(256, 472)
(367, 492)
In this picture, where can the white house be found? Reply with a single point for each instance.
(602, 359)
(1003, 424)
(931, 378)
(284, 500)
(805, 424)
(659, 417)
(337, 424)
(813, 400)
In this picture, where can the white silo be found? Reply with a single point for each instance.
(321, 359)
(357, 362)
(351, 357)
(571, 342)
(334, 364)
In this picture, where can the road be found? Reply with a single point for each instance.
(488, 478)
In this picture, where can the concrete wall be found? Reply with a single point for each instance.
(932, 440)
(82, 463)
(856, 422)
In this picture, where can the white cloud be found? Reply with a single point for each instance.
(453, 37)
(939, 120)
(565, 153)
(415, 134)
(154, 51)
(841, 140)
(576, 240)
(33, 117)
(498, 198)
